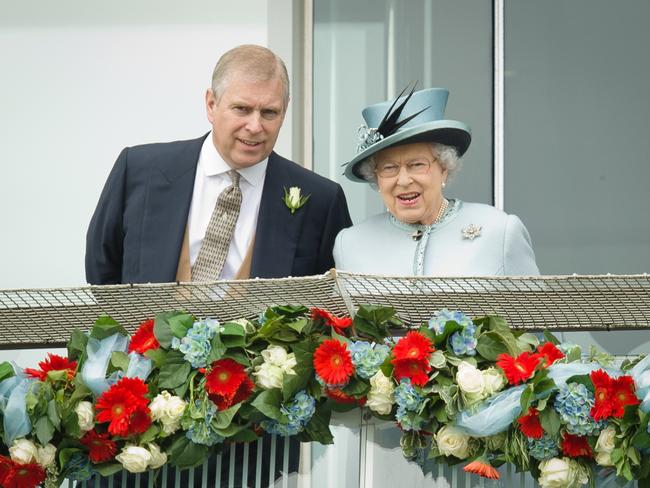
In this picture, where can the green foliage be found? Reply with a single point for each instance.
(372, 322)
(105, 327)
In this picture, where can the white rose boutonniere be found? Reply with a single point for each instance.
(294, 199)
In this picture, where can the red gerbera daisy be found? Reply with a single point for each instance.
(623, 394)
(338, 324)
(549, 353)
(227, 383)
(415, 370)
(338, 396)
(575, 446)
(28, 475)
(140, 420)
(519, 369)
(144, 338)
(483, 468)
(530, 425)
(224, 377)
(333, 363)
(54, 362)
(604, 403)
(123, 405)
(100, 447)
(5, 467)
(413, 346)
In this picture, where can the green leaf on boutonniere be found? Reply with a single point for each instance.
(294, 199)
(105, 327)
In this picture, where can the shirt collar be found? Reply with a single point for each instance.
(215, 165)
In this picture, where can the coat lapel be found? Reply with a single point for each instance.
(278, 230)
(166, 210)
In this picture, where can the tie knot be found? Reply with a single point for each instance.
(234, 176)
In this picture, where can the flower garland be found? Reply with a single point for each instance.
(461, 390)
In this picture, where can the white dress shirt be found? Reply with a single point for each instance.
(211, 179)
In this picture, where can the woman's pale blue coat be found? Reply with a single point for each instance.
(382, 245)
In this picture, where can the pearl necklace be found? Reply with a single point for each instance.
(417, 235)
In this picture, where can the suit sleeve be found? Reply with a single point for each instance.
(105, 236)
(338, 218)
(518, 255)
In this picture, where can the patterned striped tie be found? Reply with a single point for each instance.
(216, 242)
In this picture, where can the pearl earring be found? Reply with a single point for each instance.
(444, 185)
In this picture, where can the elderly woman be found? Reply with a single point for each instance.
(410, 155)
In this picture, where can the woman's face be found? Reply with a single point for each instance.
(410, 182)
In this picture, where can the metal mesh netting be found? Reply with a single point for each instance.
(44, 317)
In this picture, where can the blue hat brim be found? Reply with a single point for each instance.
(448, 132)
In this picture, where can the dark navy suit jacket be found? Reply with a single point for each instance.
(137, 230)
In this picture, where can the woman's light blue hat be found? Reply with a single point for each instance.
(417, 117)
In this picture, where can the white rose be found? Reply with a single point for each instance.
(469, 379)
(135, 459)
(276, 355)
(452, 442)
(380, 397)
(493, 380)
(168, 410)
(158, 458)
(562, 473)
(85, 416)
(294, 196)
(268, 376)
(606, 440)
(46, 455)
(23, 451)
(605, 445)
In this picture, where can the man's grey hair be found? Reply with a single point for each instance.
(447, 157)
(256, 63)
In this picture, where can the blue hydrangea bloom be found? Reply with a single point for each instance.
(573, 403)
(408, 420)
(464, 341)
(299, 412)
(367, 357)
(196, 346)
(201, 431)
(441, 317)
(407, 397)
(544, 448)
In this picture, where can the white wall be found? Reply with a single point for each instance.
(81, 80)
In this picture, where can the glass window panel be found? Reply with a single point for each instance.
(366, 48)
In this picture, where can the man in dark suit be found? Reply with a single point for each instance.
(156, 205)
(158, 202)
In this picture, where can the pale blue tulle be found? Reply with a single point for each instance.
(99, 353)
(494, 415)
(139, 366)
(497, 413)
(641, 374)
(13, 406)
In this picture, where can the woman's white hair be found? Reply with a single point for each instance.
(447, 157)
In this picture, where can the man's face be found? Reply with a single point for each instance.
(246, 119)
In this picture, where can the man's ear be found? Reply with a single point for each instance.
(210, 103)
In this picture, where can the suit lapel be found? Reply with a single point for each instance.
(167, 206)
(278, 230)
